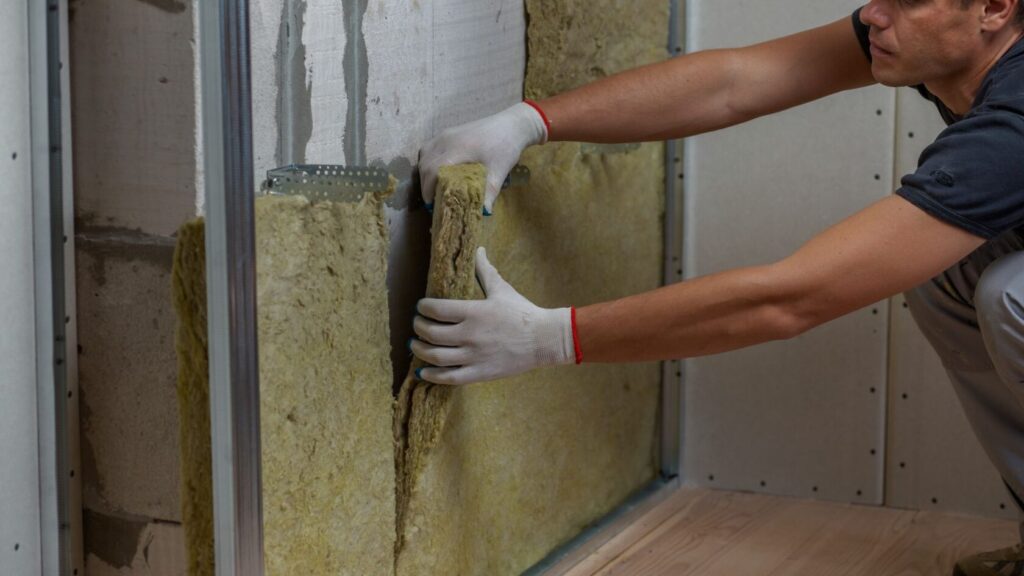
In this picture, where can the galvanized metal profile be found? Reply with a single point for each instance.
(231, 287)
(59, 490)
(673, 371)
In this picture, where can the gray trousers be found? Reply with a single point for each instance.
(973, 315)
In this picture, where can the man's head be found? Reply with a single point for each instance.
(938, 41)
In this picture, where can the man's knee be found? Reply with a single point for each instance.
(999, 296)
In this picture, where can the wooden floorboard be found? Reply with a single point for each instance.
(714, 533)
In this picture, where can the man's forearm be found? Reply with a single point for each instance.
(706, 315)
(709, 90)
(680, 97)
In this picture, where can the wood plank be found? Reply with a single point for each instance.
(614, 546)
(698, 532)
(726, 533)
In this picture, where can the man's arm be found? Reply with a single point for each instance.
(709, 90)
(883, 250)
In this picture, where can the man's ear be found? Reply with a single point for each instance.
(998, 14)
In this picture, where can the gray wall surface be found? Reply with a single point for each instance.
(803, 417)
(823, 415)
(20, 545)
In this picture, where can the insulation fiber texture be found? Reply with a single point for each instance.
(506, 472)
(188, 277)
(325, 391)
(421, 409)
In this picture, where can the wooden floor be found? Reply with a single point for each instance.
(729, 534)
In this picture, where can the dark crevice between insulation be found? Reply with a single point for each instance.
(421, 407)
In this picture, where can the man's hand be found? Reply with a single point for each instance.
(495, 141)
(477, 340)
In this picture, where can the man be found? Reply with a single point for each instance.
(948, 237)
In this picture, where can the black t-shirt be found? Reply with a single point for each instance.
(972, 176)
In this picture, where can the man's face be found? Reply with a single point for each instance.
(918, 41)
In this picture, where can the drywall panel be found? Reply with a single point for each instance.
(806, 416)
(20, 550)
(928, 434)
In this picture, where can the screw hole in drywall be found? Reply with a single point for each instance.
(903, 464)
(763, 484)
(910, 135)
(878, 176)
(872, 389)
(14, 155)
(814, 489)
(873, 452)
(935, 500)
(1002, 506)
(859, 492)
(904, 396)
(16, 546)
(711, 477)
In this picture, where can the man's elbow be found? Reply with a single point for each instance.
(796, 304)
(785, 321)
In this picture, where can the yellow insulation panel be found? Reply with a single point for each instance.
(515, 468)
(325, 389)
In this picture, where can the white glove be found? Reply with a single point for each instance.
(478, 340)
(495, 141)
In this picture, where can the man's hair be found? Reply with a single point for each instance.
(1018, 17)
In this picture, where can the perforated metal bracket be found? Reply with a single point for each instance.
(325, 181)
(519, 176)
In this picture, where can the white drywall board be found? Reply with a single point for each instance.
(20, 551)
(933, 460)
(806, 416)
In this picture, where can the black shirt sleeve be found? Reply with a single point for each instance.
(971, 175)
(861, 30)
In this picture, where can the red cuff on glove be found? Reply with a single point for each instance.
(543, 116)
(576, 338)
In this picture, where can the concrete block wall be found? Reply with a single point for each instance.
(334, 81)
(134, 128)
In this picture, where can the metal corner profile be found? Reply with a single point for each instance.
(231, 287)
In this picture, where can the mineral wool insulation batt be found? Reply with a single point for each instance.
(485, 479)
(325, 389)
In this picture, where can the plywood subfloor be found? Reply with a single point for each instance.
(706, 532)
